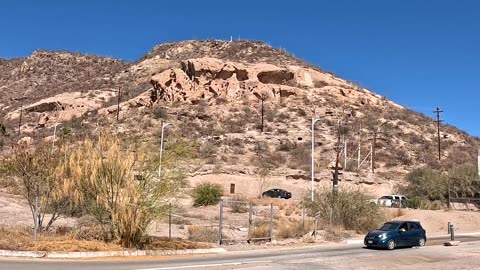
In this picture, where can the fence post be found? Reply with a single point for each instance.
(303, 217)
(170, 221)
(220, 217)
(331, 215)
(452, 233)
(271, 222)
(250, 212)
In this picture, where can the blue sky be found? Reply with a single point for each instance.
(418, 53)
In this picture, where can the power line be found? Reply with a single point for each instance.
(438, 121)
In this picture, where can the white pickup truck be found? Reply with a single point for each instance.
(391, 200)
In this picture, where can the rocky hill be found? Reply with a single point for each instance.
(212, 92)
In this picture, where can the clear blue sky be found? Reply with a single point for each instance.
(418, 53)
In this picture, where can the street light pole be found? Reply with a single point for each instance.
(314, 120)
(161, 149)
(54, 134)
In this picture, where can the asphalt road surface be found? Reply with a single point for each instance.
(434, 256)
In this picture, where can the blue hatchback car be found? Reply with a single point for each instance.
(397, 234)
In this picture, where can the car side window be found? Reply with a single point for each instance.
(403, 227)
(413, 226)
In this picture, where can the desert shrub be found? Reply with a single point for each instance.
(202, 234)
(300, 157)
(282, 131)
(221, 100)
(285, 146)
(207, 194)
(283, 117)
(349, 207)
(269, 160)
(301, 112)
(260, 231)
(319, 83)
(159, 113)
(208, 150)
(238, 205)
(291, 228)
(95, 232)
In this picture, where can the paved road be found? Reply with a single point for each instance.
(333, 257)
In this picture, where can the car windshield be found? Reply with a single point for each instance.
(388, 227)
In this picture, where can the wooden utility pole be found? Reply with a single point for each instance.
(374, 145)
(20, 120)
(335, 173)
(263, 97)
(118, 102)
(438, 121)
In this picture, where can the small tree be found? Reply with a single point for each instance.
(35, 170)
(426, 183)
(263, 182)
(463, 180)
(119, 184)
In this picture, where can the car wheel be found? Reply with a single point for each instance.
(421, 242)
(391, 244)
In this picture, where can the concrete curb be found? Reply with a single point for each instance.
(99, 254)
(24, 254)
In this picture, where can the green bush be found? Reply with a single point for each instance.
(425, 183)
(207, 194)
(350, 209)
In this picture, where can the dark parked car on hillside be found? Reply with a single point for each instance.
(397, 234)
(277, 193)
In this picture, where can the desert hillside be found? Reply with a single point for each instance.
(212, 92)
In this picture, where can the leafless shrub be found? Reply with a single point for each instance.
(202, 234)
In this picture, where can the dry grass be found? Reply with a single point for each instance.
(280, 203)
(202, 234)
(174, 244)
(292, 228)
(333, 233)
(22, 239)
(261, 231)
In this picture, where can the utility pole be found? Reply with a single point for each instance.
(314, 120)
(263, 97)
(20, 120)
(438, 121)
(359, 147)
(374, 145)
(335, 173)
(118, 102)
(161, 150)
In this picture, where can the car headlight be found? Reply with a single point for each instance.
(382, 236)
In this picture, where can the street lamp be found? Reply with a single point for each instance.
(161, 149)
(314, 120)
(54, 134)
